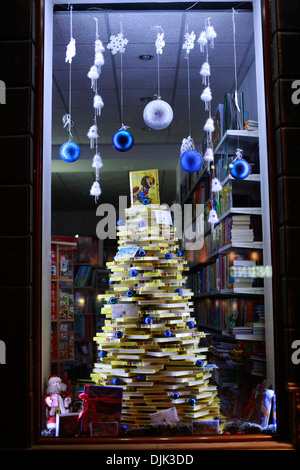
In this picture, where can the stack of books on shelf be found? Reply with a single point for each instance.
(83, 276)
(251, 125)
(240, 230)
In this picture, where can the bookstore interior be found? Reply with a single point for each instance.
(157, 299)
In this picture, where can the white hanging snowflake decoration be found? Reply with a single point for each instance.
(188, 44)
(187, 144)
(71, 51)
(160, 43)
(117, 43)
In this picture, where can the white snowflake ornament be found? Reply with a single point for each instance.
(188, 44)
(117, 43)
(71, 51)
(160, 43)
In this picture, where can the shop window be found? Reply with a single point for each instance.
(156, 332)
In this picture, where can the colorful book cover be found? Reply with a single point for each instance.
(144, 187)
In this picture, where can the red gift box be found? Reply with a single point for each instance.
(100, 404)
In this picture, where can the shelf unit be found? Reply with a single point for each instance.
(217, 311)
(62, 304)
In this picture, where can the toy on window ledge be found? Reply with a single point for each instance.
(57, 400)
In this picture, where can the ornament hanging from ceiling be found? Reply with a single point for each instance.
(94, 74)
(122, 140)
(69, 151)
(190, 159)
(158, 114)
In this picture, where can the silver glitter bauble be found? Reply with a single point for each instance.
(158, 114)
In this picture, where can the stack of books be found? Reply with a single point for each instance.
(240, 229)
(251, 125)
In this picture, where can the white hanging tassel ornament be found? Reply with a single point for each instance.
(98, 104)
(209, 126)
(99, 60)
(99, 46)
(187, 144)
(209, 155)
(95, 190)
(206, 97)
(97, 161)
(92, 135)
(215, 185)
(213, 219)
(210, 34)
(71, 51)
(202, 41)
(93, 74)
(205, 72)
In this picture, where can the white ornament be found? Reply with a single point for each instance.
(205, 72)
(92, 135)
(206, 96)
(117, 43)
(95, 190)
(97, 161)
(99, 46)
(215, 185)
(99, 59)
(210, 34)
(98, 104)
(209, 155)
(202, 41)
(93, 74)
(189, 41)
(209, 125)
(187, 144)
(158, 114)
(213, 219)
(160, 43)
(71, 51)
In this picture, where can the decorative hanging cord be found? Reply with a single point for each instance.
(70, 53)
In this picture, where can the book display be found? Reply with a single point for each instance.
(150, 345)
(62, 302)
(227, 274)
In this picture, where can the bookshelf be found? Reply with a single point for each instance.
(62, 303)
(227, 273)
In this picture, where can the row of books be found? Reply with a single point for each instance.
(61, 268)
(62, 342)
(251, 125)
(225, 313)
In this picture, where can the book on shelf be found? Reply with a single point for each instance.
(83, 276)
(219, 125)
(250, 125)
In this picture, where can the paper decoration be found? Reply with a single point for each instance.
(117, 43)
(150, 340)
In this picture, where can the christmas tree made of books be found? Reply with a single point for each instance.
(149, 344)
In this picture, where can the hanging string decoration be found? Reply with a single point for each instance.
(69, 151)
(190, 159)
(158, 114)
(122, 140)
(94, 74)
(206, 41)
(239, 168)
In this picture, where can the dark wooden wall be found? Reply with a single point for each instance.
(20, 193)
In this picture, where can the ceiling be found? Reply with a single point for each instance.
(71, 182)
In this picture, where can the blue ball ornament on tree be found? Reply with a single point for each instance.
(130, 293)
(148, 320)
(116, 380)
(69, 152)
(179, 253)
(119, 334)
(240, 169)
(142, 252)
(175, 396)
(178, 291)
(191, 324)
(113, 300)
(168, 256)
(133, 272)
(123, 140)
(168, 333)
(191, 161)
(146, 201)
(192, 401)
(141, 377)
(199, 363)
(102, 353)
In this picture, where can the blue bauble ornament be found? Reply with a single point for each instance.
(120, 223)
(175, 396)
(133, 272)
(146, 201)
(168, 256)
(179, 253)
(102, 353)
(123, 428)
(122, 140)
(141, 377)
(199, 363)
(111, 282)
(142, 252)
(113, 300)
(116, 381)
(119, 334)
(240, 169)
(168, 333)
(179, 291)
(148, 320)
(191, 161)
(69, 152)
(192, 401)
(130, 293)
(191, 324)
